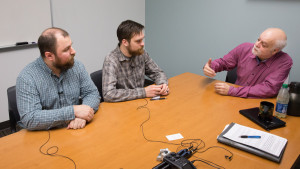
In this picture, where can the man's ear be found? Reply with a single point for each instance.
(276, 50)
(125, 42)
(49, 55)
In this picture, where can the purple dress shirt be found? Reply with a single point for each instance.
(258, 79)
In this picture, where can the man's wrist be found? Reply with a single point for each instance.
(68, 113)
(230, 91)
(143, 92)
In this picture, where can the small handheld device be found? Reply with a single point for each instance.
(162, 154)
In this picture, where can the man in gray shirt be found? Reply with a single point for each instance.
(124, 69)
(49, 89)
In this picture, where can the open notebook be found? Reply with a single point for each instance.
(269, 146)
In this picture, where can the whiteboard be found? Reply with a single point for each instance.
(23, 20)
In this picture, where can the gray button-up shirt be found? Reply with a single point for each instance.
(123, 77)
(46, 101)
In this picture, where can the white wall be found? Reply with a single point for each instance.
(182, 35)
(92, 25)
(11, 63)
(20, 22)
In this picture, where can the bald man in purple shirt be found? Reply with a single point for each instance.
(262, 67)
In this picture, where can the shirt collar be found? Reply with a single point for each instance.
(44, 66)
(267, 62)
(121, 57)
(42, 63)
(259, 61)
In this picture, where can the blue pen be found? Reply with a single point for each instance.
(245, 136)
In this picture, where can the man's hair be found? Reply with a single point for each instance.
(280, 44)
(47, 41)
(127, 29)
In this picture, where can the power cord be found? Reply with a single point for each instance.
(208, 163)
(226, 156)
(191, 146)
(56, 150)
(142, 125)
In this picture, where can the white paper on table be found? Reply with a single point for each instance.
(174, 137)
(269, 143)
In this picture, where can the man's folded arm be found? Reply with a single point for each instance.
(31, 111)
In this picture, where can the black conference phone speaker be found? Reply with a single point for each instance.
(294, 102)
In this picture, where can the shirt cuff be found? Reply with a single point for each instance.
(231, 91)
(69, 113)
(213, 65)
(141, 92)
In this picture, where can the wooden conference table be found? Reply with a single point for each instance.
(114, 139)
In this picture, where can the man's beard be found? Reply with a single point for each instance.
(255, 51)
(136, 52)
(64, 67)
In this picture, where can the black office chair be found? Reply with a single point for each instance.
(231, 76)
(14, 116)
(97, 79)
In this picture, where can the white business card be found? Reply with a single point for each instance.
(174, 137)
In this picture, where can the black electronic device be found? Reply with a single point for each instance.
(296, 165)
(252, 114)
(175, 161)
(294, 101)
(178, 161)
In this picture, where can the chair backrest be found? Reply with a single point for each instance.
(231, 76)
(97, 79)
(148, 82)
(14, 116)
